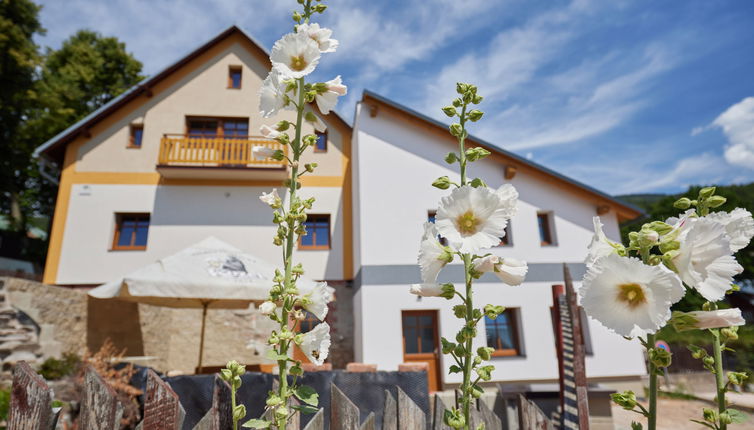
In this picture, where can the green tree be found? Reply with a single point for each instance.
(19, 59)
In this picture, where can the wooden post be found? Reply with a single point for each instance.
(219, 416)
(369, 423)
(390, 413)
(162, 409)
(100, 408)
(317, 422)
(410, 416)
(438, 416)
(579, 365)
(344, 415)
(30, 401)
(530, 417)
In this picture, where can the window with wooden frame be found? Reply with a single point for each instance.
(419, 332)
(431, 215)
(234, 77)
(507, 239)
(546, 228)
(136, 134)
(131, 231)
(317, 232)
(217, 127)
(321, 144)
(502, 333)
(308, 323)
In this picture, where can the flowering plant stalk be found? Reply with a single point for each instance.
(293, 58)
(471, 218)
(632, 296)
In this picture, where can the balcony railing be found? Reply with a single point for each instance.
(215, 151)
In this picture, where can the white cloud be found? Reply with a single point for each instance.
(737, 123)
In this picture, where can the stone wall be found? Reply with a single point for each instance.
(167, 339)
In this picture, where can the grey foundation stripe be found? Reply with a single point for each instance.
(409, 274)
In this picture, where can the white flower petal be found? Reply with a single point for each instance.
(704, 260)
(474, 218)
(739, 226)
(295, 55)
(316, 343)
(601, 294)
(320, 35)
(718, 319)
(600, 246)
(426, 290)
(509, 270)
(262, 152)
(270, 198)
(272, 94)
(267, 308)
(430, 251)
(320, 296)
(269, 132)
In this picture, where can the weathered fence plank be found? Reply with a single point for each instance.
(162, 408)
(410, 416)
(100, 408)
(219, 415)
(530, 417)
(30, 401)
(369, 423)
(317, 422)
(439, 415)
(491, 421)
(344, 415)
(390, 413)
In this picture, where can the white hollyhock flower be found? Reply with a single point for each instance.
(473, 218)
(426, 290)
(704, 260)
(295, 55)
(320, 35)
(327, 100)
(509, 195)
(433, 256)
(628, 296)
(262, 152)
(316, 343)
(267, 308)
(269, 132)
(600, 245)
(270, 198)
(682, 224)
(509, 270)
(739, 226)
(272, 95)
(699, 320)
(317, 300)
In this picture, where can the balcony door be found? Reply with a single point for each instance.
(421, 343)
(229, 138)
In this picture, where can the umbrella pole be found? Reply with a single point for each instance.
(201, 338)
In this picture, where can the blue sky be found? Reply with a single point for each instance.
(626, 96)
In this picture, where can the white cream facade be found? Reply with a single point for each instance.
(396, 159)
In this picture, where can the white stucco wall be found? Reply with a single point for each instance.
(397, 162)
(182, 216)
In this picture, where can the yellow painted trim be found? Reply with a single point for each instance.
(59, 216)
(154, 178)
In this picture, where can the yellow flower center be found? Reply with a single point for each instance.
(467, 223)
(632, 294)
(298, 63)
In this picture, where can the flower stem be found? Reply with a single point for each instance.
(717, 350)
(467, 368)
(233, 407)
(461, 146)
(652, 418)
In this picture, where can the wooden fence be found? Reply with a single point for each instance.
(31, 409)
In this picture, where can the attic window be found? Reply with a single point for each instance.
(137, 132)
(234, 77)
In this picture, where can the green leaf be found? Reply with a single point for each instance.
(273, 355)
(305, 409)
(736, 416)
(455, 369)
(307, 395)
(256, 423)
(635, 426)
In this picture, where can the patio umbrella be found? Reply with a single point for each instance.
(209, 274)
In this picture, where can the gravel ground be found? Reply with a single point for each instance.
(674, 415)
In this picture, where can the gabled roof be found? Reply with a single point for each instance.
(53, 148)
(626, 211)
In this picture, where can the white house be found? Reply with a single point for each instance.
(397, 154)
(168, 163)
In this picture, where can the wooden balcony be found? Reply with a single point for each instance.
(217, 157)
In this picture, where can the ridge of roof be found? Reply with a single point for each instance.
(504, 152)
(145, 85)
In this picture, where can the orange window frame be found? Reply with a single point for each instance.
(314, 246)
(132, 136)
(119, 220)
(318, 134)
(231, 71)
(514, 329)
(544, 224)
